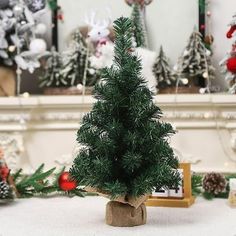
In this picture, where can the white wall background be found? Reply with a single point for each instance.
(169, 22)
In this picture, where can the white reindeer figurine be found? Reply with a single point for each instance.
(104, 54)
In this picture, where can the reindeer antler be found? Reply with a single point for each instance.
(90, 19)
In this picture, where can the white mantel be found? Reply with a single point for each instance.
(46, 127)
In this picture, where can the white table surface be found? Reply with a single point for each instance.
(63, 216)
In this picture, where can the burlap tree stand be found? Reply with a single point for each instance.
(123, 215)
(124, 211)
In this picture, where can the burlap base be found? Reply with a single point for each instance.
(7, 82)
(123, 215)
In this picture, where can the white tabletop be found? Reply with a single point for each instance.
(62, 216)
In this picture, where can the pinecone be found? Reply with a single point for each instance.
(5, 190)
(214, 183)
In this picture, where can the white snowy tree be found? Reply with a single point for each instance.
(76, 64)
(196, 62)
(162, 71)
(52, 76)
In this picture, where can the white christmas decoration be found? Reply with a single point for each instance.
(27, 61)
(11, 48)
(162, 71)
(76, 63)
(41, 29)
(17, 29)
(205, 75)
(186, 52)
(38, 46)
(184, 81)
(195, 61)
(202, 90)
(3, 41)
(38, 4)
(208, 53)
(80, 87)
(17, 10)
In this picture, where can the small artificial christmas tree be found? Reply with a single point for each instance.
(52, 76)
(139, 32)
(229, 62)
(126, 150)
(195, 63)
(162, 71)
(76, 65)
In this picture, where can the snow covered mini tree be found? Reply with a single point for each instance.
(162, 71)
(229, 62)
(52, 76)
(76, 65)
(126, 152)
(195, 63)
(139, 30)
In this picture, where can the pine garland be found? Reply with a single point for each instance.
(40, 183)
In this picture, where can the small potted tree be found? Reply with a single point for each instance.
(126, 151)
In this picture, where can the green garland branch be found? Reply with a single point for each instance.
(211, 185)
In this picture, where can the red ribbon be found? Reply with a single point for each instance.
(231, 31)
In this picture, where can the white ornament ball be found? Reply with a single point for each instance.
(205, 75)
(202, 90)
(18, 10)
(208, 13)
(186, 52)
(184, 81)
(91, 71)
(41, 29)
(80, 87)
(208, 52)
(176, 68)
(38, 46)
(25, 95)
(11, 48)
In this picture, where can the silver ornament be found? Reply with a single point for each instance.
(18, 10)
